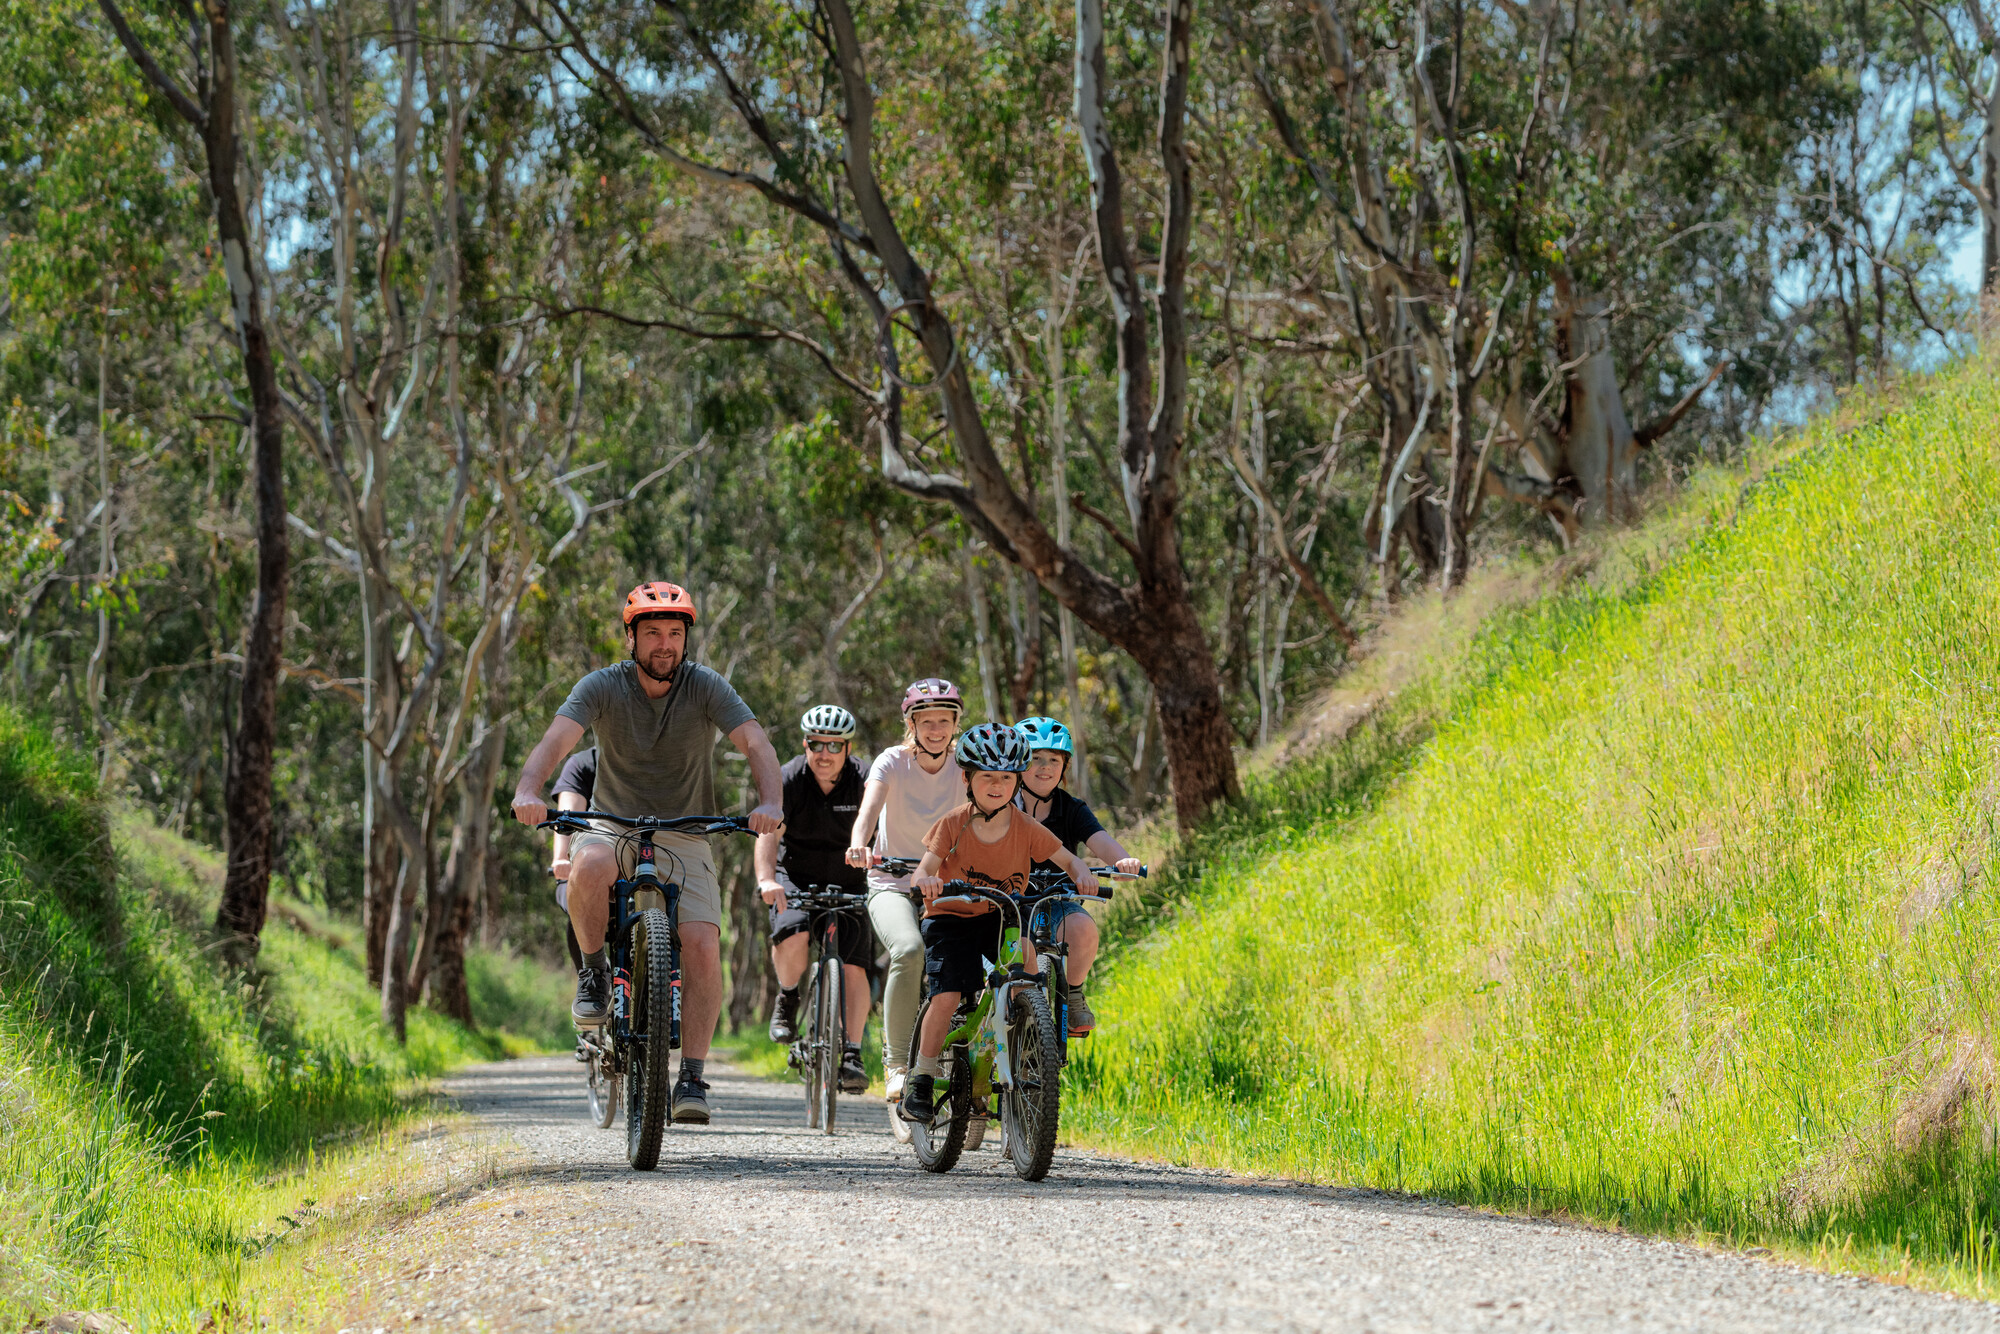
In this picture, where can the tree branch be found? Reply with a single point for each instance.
(1659, 426)
(159, 78)
(1078, 503)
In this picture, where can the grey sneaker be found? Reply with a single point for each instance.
(593, 996)
(1081, 1020)
(690, 1102)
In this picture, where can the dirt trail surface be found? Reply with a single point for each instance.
(755, 1223)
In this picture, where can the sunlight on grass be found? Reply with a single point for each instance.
(174, 1136)
(1663, 901)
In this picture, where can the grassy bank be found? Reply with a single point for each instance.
(1663, 900)
(169, 1131)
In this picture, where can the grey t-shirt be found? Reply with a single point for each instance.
(655, 756)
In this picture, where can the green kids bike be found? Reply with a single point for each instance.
(1005, 1044)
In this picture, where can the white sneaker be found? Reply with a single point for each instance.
(893, 1079)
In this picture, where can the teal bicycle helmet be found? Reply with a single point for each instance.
(1046, 734)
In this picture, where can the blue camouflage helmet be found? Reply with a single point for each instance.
(1046, 734)
(993, 747)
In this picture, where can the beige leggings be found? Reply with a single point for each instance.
(895, 920)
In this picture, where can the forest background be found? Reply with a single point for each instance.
(559, 297)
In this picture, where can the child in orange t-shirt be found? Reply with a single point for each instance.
(989, 842)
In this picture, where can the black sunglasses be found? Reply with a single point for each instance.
(826, 747)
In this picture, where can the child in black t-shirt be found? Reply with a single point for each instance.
(572, 793)
(1073, 823)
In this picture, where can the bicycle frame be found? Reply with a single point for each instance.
(992, 1066)
(631, 898)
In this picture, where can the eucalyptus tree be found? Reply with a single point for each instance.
(787, 77)
(1958, 42)
(1499, 184)
(213, 110)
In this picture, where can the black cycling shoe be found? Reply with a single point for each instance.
(853, 1075)
(593, 996)
(917, 1104)
(785, 1017)
(690, 1102)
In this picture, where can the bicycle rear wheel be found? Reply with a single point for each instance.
(648, 1089)
(830, 1038)
(1032, 1106)
(603, 1088)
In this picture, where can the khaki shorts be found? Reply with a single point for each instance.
(701, 892)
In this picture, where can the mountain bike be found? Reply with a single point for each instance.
(633, 1046)
(1003, 1044)
(817, 1051)
(1045, 890)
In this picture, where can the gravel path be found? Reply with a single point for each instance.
(754, 1223)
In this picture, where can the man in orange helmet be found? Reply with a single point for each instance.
(655, 715)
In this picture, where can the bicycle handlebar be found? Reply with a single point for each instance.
(579, 822)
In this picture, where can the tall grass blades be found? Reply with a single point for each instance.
(1669, 900)
(158, 1112)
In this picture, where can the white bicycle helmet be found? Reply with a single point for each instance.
(828, 720)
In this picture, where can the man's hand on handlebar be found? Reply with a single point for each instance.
(774, 894)
(1129, 866)
(861, 857)
(767, 819)
(530, 809)
(930, 886)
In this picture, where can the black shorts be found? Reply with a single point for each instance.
(853, 936)
(953, 948)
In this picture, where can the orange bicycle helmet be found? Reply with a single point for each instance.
(658, 599)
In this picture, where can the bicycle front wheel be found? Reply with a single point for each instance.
(1033, 1105)
(647, 1087)
(830, 1038)
(808, 1045)
(939, 1144)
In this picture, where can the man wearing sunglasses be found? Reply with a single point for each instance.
(822, 792)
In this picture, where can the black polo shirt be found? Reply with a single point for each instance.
(818, 825)
(1069, 819)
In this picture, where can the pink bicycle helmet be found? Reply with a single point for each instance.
(933, 692)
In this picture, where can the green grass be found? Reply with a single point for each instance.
(1666, 900)
(164, 1123)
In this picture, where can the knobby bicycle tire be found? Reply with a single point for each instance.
(1033, 1105)
(830, 1038)
(939, 1144)
(648, 1089)
(809, 1040)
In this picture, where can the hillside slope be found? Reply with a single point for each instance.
(163, 1121)
(1666, 901)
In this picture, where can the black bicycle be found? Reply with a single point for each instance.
(634, 1045)
(817, 1051)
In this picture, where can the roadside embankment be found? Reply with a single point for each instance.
(1668, 899)
(177, 1138)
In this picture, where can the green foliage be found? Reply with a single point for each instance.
(149, 1094)
(1665, 902)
